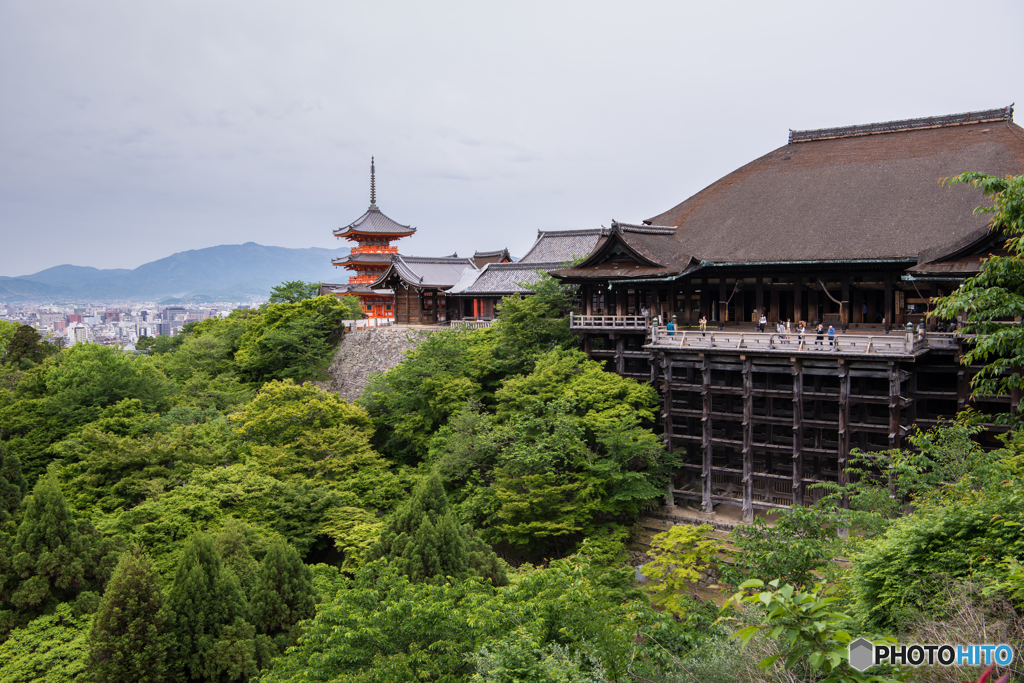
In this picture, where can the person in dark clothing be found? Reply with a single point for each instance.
(819, 335)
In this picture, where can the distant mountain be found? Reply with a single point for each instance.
(224, 273)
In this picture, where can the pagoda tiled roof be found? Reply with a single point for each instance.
(374, 222)
(378, 259)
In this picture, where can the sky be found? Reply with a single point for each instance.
(133, 130)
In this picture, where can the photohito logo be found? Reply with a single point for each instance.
(864, 654)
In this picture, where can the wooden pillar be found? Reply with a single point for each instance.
(620, 357)
(844, 427)
(889, 320)
(798, 431)
(705, 299)
(895, 437)
(748, 438)
(705, 392)
(798, 300)
(963, 385)
(759, 297)
(588, 298)
(858, 306)
(775, 308)
(812, 308)
(687, 304)
(845, 298)
(723, 308)
(910, 400)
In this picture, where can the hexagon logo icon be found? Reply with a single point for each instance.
(862, 654)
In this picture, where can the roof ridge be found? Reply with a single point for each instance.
(643, 228)
(572, 233)
(982, 116)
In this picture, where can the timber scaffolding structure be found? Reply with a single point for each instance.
(759, 418)
(848, 227)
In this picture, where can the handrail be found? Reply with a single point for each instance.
(808, 342)
(607, 322)
(469, 324)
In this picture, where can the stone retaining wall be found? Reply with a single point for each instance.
(366, 352)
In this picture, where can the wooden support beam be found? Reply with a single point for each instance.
(895, 433)
(620, 358)
(798, 301)
(798, 432)
(705, 475)
(844, 427)
(889, 320)
(758, 297)
(748, 437)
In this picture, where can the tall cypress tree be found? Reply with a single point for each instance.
(53, 557)
(13, 486)
(130, 639)
(283, 596)
(208, 615)
(425, 541)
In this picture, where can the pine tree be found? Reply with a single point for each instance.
(208, 612)
(130, 639)
(425, 541)
(13, 486)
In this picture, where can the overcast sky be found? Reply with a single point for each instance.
(132, 130)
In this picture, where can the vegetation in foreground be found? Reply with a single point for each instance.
(202, 513)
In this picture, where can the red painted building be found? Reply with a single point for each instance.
(372, 235)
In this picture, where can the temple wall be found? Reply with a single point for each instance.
(365, 352)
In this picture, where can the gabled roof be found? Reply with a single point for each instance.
(423, 271)
(482, 258)
(374, 222)
(560, 246)
(502, 279)
(866, 194)
(632, 252)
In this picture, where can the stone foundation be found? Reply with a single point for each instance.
(365, 352)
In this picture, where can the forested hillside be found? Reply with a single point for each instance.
(205, 513)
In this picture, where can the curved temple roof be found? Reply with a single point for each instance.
(374, 222)
(860, 196)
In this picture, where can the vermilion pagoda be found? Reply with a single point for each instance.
(373, 233)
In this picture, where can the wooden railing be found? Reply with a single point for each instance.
(607, 322)
(887, 344)
(469, 324)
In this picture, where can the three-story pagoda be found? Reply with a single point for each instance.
(373, 233)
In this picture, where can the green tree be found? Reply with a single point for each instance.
(677, 558)
(298, 431)
(208, 614)
(13, 486)
(994, 298)
(532, 325)
(815, 645)
(424, 541)
(293, 340)
(283, 596)
(52, 648)
(53, 558)
(801, 541)
(130, 639)
(293, 292)
(27, 347)
(564, 621)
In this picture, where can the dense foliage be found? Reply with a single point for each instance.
(201, 511)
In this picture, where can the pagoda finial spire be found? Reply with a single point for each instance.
(373, 185)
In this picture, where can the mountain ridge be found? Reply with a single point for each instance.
(223, 272)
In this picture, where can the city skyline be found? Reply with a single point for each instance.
(137, 131)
